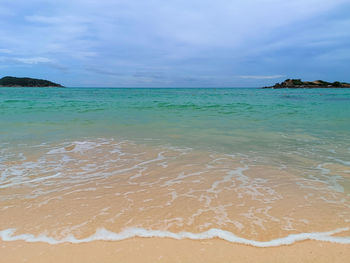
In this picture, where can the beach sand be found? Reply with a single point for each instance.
(169, 250)
(139, 187)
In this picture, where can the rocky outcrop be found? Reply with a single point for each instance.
(26, 82)
(297, 83)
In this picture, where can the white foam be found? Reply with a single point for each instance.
(238, 173)
(30, 181)
(347, 163)
(106, 235)
(330, 180)
(79, 146)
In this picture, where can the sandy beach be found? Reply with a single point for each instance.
(168, 250)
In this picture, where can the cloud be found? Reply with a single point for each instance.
(10, 61)
(102, 71)
(200, 41)
(5, 51)
(51, 19)
(262, 77)
(33, 60)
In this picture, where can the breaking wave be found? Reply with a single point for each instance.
(105, 235)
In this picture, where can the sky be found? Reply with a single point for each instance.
(175, 43)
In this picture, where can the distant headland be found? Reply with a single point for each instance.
(298, 84)
(26, 82)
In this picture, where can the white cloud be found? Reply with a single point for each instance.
(5, 51)
(33, 60)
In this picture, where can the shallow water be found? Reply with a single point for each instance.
(246, 165)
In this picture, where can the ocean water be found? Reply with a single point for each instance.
(254, 166)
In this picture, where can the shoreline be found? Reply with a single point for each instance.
(170, 250)
(337, 236)
(147, 176)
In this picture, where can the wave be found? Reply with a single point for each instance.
(106, 235)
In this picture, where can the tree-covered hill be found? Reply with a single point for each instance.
(26, 82)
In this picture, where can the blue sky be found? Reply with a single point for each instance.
(175, 43)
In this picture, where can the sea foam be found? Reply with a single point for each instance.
(106, 235)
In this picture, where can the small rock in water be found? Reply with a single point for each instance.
(70, 147)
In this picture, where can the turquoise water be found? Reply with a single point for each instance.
(267, 122)
(259, 163)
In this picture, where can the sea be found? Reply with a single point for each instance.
(260, 167)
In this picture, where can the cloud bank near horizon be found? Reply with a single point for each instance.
(176, 43)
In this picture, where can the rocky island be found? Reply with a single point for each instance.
(26, 82)
(298, 84)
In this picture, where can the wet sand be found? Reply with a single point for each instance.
(169, 250)
(78, 188)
